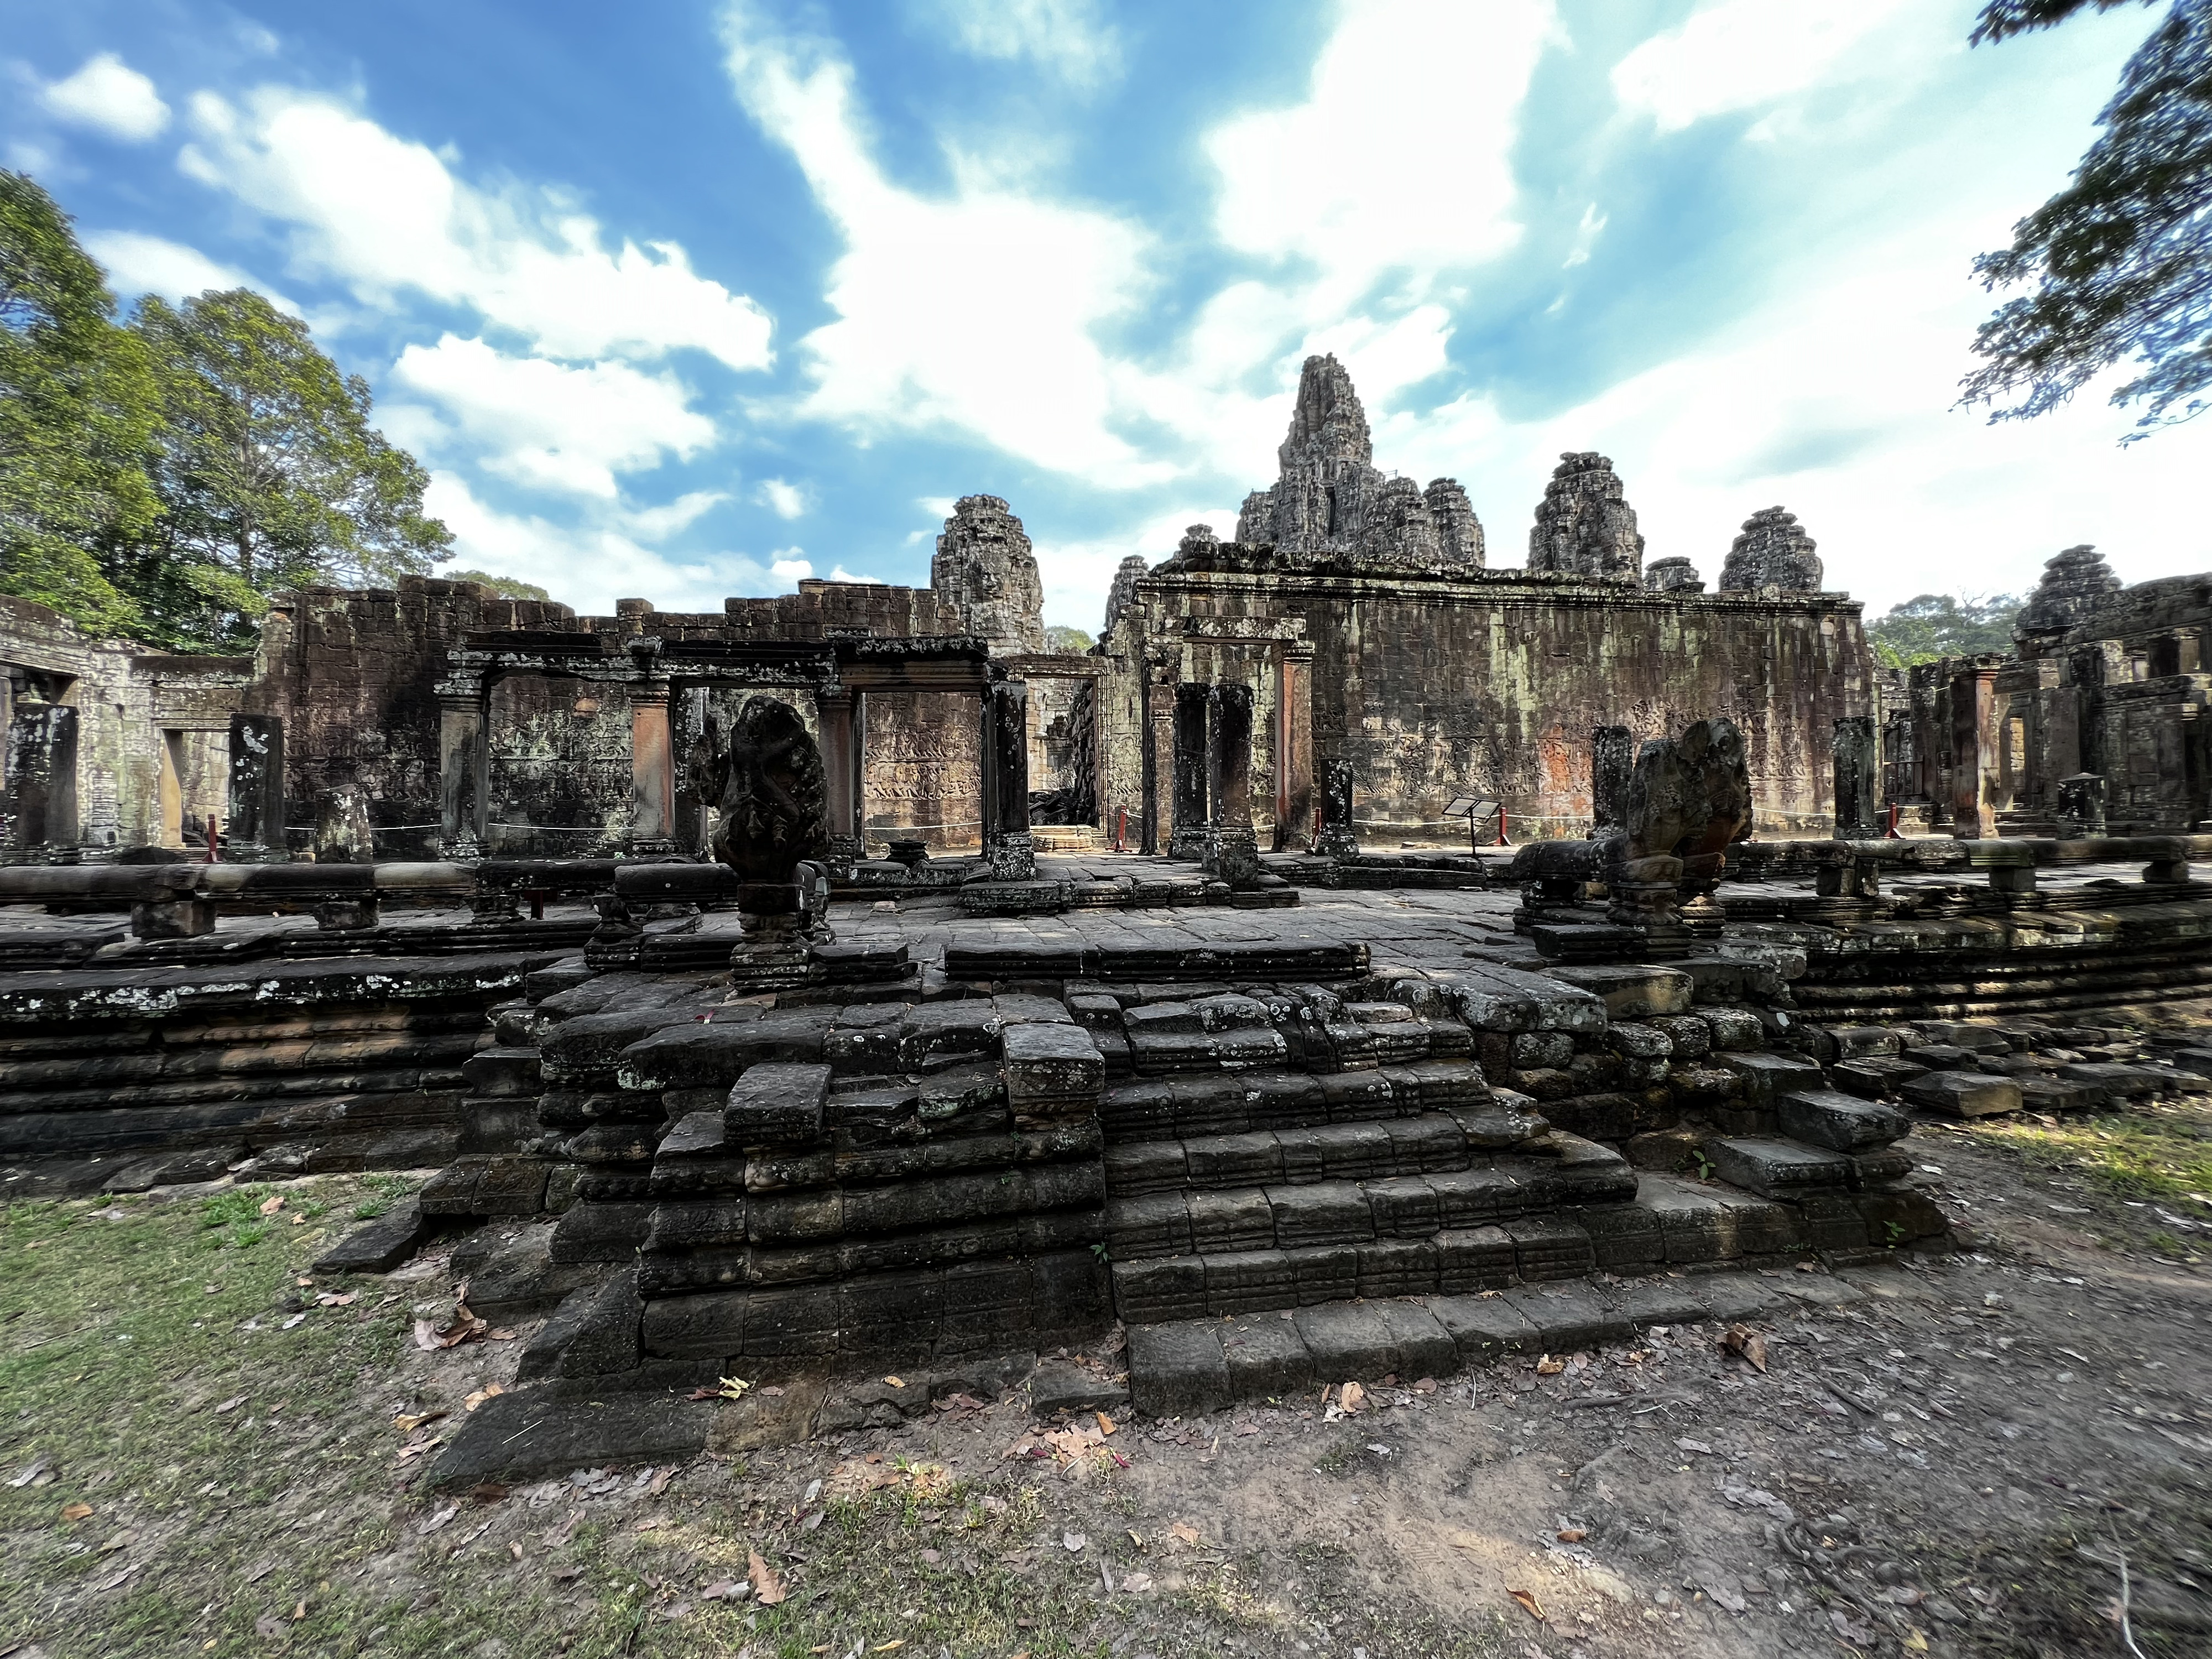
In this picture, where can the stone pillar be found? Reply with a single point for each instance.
(1232, 852)
(1154, 827)
(688, 726)
(1613, 758)
(836, 714)
(1294, 757)
(41, 791)
(255, 826)
(1187, 838)
(1340, 836)
(651, 771)
(1973, 753)
(1007, 847)
(1858, 779)
(343, 832)
(464, 769)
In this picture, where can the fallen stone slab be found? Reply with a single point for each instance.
(1823, 1117)
(1059, 1385)
(380, 1245)
(532, 1431)
(1177, 1369)
(1633, 993)
(173, 1169)
(1963, 1094)
(1777, 1168)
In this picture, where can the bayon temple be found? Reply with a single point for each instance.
(845, 980)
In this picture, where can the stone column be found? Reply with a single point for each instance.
(1973, 753)
(1858, 780)
(1187, 838)
(1232, 852)
(255, 826)
(464, 768)
(1007, 847)
(651, 771)
(1612, 758)
(1294, 757)
(1340, 836)
(835, 713)
(1155, 828)
(41, 793)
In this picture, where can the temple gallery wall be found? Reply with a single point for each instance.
(1357, 609)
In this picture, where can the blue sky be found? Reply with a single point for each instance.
(684, 301)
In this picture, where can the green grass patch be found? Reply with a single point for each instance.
(2161, 1152)
(221, 1476)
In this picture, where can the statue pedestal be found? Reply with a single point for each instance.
(1232, 854)
(772, 955)
(1011, 857)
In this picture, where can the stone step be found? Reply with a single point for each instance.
(1310, 1206)
(1427, 1143)
(1187, 1368)
(1239, 1102)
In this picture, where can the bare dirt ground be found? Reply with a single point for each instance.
(200, 1453)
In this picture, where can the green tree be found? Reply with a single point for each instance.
(269, 472)
(1071, 641)
(77, 412)
(2122, 258)
(1937, 625)
(507, 588)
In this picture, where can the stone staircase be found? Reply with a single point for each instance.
(903, 1178)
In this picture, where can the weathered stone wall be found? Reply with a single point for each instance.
(2109, 680)
(1490, 683)
(354, 674)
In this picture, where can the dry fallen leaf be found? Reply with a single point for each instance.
(1548, 1366)
(1572, 1535)
(270, 1205)
(893, 1383)
(331, 1300)
(1529, 1604)
(485, 1392)
(766, 1585)
(1915, 1642)
(75, 1511)
(1105, 1424)
(1743, 1340)
(409, 1424)
(1184, 1533)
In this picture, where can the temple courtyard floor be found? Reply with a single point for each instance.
(206, 1449)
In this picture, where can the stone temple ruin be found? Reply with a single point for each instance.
(843, 981)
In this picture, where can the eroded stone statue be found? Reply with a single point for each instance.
(773, 793)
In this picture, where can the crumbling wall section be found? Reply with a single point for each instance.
(1490, 684)
(353, 672)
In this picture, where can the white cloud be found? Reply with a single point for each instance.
(786, 563)
(657, 524)
(551, 424)
(839, 573)
(1586, 234)
(1745, 54)
(1401, 156)
(786, 500)
(1066, 39)
(383, 214)
(590, 566)
(109, 96)
(976, 310)
(139, 264)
